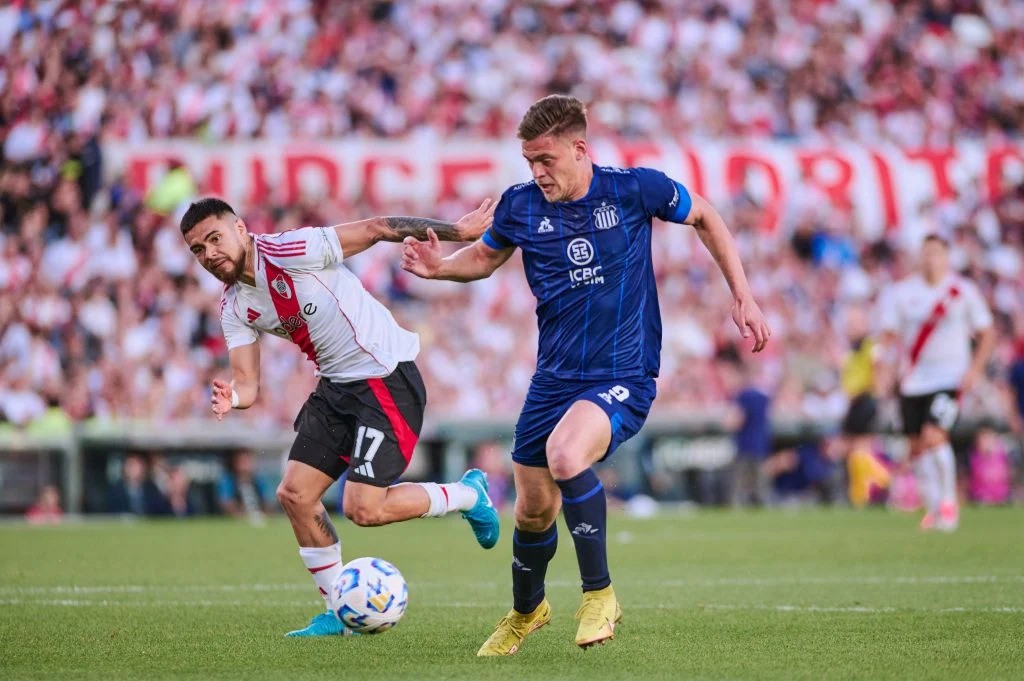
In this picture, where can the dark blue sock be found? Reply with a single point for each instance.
(531, 553)
(585, 509)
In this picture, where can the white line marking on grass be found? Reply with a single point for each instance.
(780, 608)
(798, 608)
(858, 609)
(901, 580)
(78, 603)
(140, 588)
(667, 583)
(992, 609)
(83, 590)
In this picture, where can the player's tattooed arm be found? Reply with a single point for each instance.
(323, 522)
(396, 228)
(356, 237)
(470, 226)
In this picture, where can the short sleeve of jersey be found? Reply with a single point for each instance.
(499, 235)
(236, 332)
(306, 248)
(663, 197)
(978, 315)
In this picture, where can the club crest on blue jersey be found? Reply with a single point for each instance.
(606, 216)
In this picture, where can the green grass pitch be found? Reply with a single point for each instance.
(712, 595)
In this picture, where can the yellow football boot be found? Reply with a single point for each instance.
(598, 616)
(513, 628)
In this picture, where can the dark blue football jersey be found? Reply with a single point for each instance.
(588, 262)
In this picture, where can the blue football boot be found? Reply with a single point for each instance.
(324, 624)
(483, 517)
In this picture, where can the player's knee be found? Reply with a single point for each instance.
(364, 515)
(291, 498)
(533, 523)
(535, 518)
(564, 462)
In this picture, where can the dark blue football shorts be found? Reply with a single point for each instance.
(625, 401)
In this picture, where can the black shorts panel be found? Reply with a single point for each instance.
(370, 425)
(939, 408)
(860, 417)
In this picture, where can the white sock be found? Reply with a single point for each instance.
(945, 464)
(444, 499)
(927, 482)
(324, 563)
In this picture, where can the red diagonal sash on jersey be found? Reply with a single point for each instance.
(406, 438)
(286, 303)
(938, 312)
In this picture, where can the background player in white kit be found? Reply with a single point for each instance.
(367, 410)
(928, 323)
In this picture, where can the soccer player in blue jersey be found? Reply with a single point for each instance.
(585, 233)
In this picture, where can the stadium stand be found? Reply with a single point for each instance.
(104, 314)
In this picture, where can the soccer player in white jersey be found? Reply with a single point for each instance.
(929, 322)
(367, 410)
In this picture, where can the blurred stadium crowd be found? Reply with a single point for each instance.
(914, 72)
(104, 313)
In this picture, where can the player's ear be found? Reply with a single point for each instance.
(580, 148)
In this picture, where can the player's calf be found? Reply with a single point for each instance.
(531, 553)
(365, 505)
(585, 508)
(368, 504)
(299, 494)
(319, 546)
(365, 516)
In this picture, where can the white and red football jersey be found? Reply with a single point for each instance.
(935, 323)
(305, 293)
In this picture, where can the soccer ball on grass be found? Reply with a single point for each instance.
(369, 596)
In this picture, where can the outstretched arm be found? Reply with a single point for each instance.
(716, 238)
(245, 381)
(476, 261)
(356, 237)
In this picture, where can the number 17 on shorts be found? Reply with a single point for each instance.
(368, 441)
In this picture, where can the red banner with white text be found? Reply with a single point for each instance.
(882, 187)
